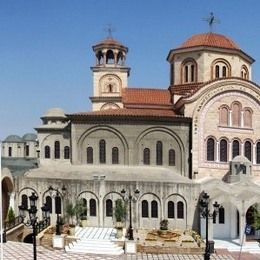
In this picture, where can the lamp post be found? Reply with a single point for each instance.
(32, 221)
(205, 213)
(129, 197)
(57, 210)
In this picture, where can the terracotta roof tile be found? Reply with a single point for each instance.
(152, 97)
(128, 113)
(210, 39)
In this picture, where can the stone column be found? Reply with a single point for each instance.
(217, 151)
(242, 119)
(230, 118)
(242, 236)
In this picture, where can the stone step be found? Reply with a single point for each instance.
(95, 251)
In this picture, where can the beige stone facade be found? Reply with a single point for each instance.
(200, 135)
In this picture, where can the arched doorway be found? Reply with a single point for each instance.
(253, 219)
(7, 189)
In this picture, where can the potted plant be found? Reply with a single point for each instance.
(81, 212)
(164, 224)
(119, 213)
(70, 210)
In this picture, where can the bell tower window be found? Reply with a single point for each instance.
(110, 57)
(221, 69)
(244, 72)
(189, 71)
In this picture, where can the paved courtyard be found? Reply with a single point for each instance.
(22, 251)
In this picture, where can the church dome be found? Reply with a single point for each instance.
(13, 139)
(55, 112)
(30, 137)
(210, 40)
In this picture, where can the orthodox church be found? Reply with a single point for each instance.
(199, 134)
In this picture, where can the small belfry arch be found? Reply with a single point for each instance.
(189, 71)
(220, 68)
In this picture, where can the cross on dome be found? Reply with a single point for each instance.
(211, 20)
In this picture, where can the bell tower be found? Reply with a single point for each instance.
(110, 74)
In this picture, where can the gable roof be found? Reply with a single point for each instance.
(136, 97)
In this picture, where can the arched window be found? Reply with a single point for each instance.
(221, 215)
(180, 209)
(57, 150)
(159, 153)
(244, 72)
(92, 208)
(57, 204)
(47, 152)
(223, 116)
(217, 71)
(186, 68)
(27, 150)
(224, 71)
(236, 114)
(115, 159)
(154, 208)
(66, 152)
(171, 209)
(248, 150)
(84, 204)
(144, 209)
(49, 203)
(110, 57)
(210, 149)
(258, 153)
(248, 118)
(221, 69)
(235, 148)
(10, 151)
(102, 151)
(109, 208)
(192, 73)
(89, 155)
(171, 157)
(223, 151)
(25, 201)
(214, 217)
(189, 68)
(146, 156)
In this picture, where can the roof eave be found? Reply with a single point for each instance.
(241, 53)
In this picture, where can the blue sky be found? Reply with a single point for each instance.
(46, 47)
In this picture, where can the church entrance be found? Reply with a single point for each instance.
(253, 220)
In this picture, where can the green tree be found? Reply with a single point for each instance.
(10, 215)
(70, 211)
(120, 210)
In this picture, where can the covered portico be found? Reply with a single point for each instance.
(235, 201)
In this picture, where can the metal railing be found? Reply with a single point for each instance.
(12, 223)
(41, 225)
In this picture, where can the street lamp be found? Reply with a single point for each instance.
(57, 209)
(129, 197)
(32, 221)
(205, 213)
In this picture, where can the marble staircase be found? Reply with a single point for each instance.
(94, 240)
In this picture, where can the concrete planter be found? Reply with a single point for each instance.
(58, 241)
(83, 223)
(72, 230)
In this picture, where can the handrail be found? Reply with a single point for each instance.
(12, 223)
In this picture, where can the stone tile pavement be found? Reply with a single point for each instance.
(22, 251)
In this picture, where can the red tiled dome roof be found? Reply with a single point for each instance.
(109, 42)
(211, 40)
